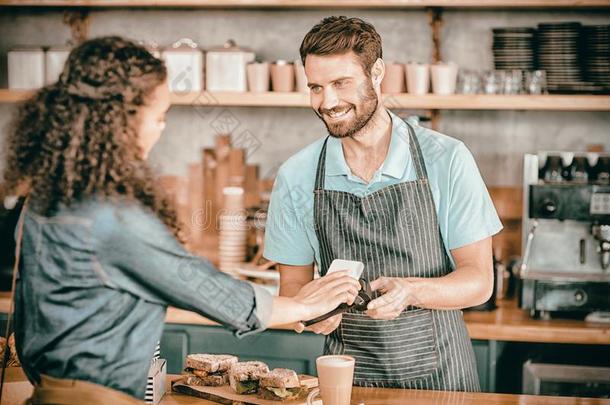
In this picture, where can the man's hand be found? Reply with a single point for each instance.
(397, 295)
(321, 328)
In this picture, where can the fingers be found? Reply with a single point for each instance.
(334, 275)
(387, 316)
(352, 292)
(326, 326)
(391, 304)
(344, 274)
(380, 301)
(385, 307)
(299, 327)
(380, 283)
(344, 283)
(332, 324)
(340, 297)
(319, 301)
(345, 292)
(389, 310)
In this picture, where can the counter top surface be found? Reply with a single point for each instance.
(18, 389)
(506, 323)
(379, 396)
(510, 323)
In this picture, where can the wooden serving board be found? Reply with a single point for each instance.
(225, 395)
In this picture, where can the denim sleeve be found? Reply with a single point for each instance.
(136, 253)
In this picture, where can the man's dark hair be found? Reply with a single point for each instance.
(339, 35)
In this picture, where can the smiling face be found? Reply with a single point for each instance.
(342, 95)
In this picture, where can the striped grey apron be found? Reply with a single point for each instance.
(395, 232)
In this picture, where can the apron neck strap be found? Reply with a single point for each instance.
(416, 155)
(321, 170)
(414, 149)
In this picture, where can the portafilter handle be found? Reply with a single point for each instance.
(528, 248)
(602, 234)
(605, 255)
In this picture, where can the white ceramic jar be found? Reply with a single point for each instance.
(184, 61)
(55, 59)
(26, 68)
(226, 67)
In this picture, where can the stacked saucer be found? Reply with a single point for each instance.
(514, 48)
(233, 234)
(596, 55)
(558, 55)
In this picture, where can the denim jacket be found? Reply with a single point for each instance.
(93, 287)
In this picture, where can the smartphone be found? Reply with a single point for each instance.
(354, 268)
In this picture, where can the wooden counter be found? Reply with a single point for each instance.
(507, 323)
(510, 323)
(18, 389)
(382, 396)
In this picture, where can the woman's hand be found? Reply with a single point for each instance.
(316, 298)
(324, 294)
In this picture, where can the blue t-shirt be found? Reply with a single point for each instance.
(464, 208)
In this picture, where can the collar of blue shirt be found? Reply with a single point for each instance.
(394, 165)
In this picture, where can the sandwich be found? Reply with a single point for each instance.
(244, 376)
(281, 384)
(208, 369)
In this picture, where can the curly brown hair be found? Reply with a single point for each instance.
(78, 137)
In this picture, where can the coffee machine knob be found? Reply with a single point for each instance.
(580, 297)
(549, 207)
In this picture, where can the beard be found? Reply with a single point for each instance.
(363, 112)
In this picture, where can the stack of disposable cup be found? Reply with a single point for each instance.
(233, 230)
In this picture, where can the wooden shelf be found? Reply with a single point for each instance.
(269, 99)
(552, 102)
(13, 96)
(500, 102)
(295, 4)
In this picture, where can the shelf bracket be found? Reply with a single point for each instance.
(78, 21)
(435, 118)
(435, 19)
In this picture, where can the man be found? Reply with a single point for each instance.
(405, 200)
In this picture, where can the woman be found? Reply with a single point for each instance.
(100, 259)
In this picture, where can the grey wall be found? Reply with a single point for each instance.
(497, 138)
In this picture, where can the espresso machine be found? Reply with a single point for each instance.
(565, 265)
